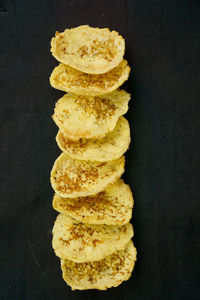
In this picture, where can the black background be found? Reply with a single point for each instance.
(163, 49)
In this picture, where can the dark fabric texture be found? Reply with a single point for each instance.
(162, 164)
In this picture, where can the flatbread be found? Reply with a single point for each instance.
(90, 117)
(71, 178)
(80, 242)
(106, 273)
(68, 79)
(112, 146)
(88, 49)
(113, 206)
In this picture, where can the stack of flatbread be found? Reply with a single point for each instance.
(92, 234)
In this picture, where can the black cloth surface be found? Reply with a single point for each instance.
(162, 47)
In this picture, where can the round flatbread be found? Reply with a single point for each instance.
(112, 146)
(89, 117)
(71, 178)
(106, 273)
(68, 79)
(80, 242)
(88, 49)
(113, 206)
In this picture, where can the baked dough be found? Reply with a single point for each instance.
(80, 242)
(106, 273)
(112, 146)
(71, 178)
(113, 206)
(68, 79)
(88, 49)
(90, 117)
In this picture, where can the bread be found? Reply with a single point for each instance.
(92, 234)
(80, 242)
(112, 146)
(106, 273)
(88, 49)
(71, 178)
(68, 79)
(89, 117)
(113, 206)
